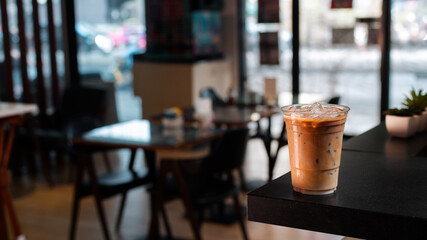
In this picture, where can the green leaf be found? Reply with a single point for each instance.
(416, 101)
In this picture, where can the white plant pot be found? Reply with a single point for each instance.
(418, 121)
(399, 126)
(424, 124)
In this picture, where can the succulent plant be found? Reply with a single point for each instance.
(416, 102)
(404, 112)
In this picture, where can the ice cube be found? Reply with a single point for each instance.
(292, 108)
(317, 107)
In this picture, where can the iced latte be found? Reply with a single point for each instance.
(315, 134)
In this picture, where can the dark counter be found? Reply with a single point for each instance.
(378, 197)
(377, 140)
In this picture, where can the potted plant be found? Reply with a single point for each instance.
(400, 122)
(417, 103)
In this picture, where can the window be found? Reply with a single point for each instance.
(109, 32)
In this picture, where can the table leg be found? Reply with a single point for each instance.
(3, 227)
(5, 177)
(12, 214)
(124, 194)
(150, 158)
(157, 197)
(76, 203)
(185, 195)
(43, 156)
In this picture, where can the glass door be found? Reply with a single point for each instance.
(109, 32)
(340, 56)
(408, 56)
(257, 72)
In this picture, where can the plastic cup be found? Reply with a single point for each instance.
(315, 144)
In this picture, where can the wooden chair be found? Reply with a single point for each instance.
(7, 210)
(41, 95)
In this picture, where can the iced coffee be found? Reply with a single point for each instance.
(315, 135)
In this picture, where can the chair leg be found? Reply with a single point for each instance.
(60, 157)
(243, 185)
(76, 201)
(201, 217)
(132, 159)
(97, 197)
(166, 222)
(164, 169)
(46, 165)
(124, 195)
(239, 213)
(121, 208)
(107, 161)
(157, 194)
(185, 198)
(44, 156)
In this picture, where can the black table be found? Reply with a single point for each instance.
(238, 115)
(379, 195)
(138, 134)
(377, 140)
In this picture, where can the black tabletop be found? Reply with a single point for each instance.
(378, 196)
(377, 140)
(147, 135)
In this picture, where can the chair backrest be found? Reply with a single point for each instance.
(84, 106)
(227, 153)
(334, 100)
(209, 92)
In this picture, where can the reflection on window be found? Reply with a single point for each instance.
(109, 32)
(408, 49)
(339, 56)
(31, 54)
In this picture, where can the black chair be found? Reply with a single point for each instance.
(104, 186)
(213, 183)
(334, 100)
(209, 92)
(216, 180)
(81, 109)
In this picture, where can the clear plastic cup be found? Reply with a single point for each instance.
(315, 135)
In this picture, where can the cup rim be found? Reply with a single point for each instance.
(285, 111)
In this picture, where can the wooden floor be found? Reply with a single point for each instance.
(44, 212)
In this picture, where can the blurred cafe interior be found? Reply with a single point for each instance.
(149, 119)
